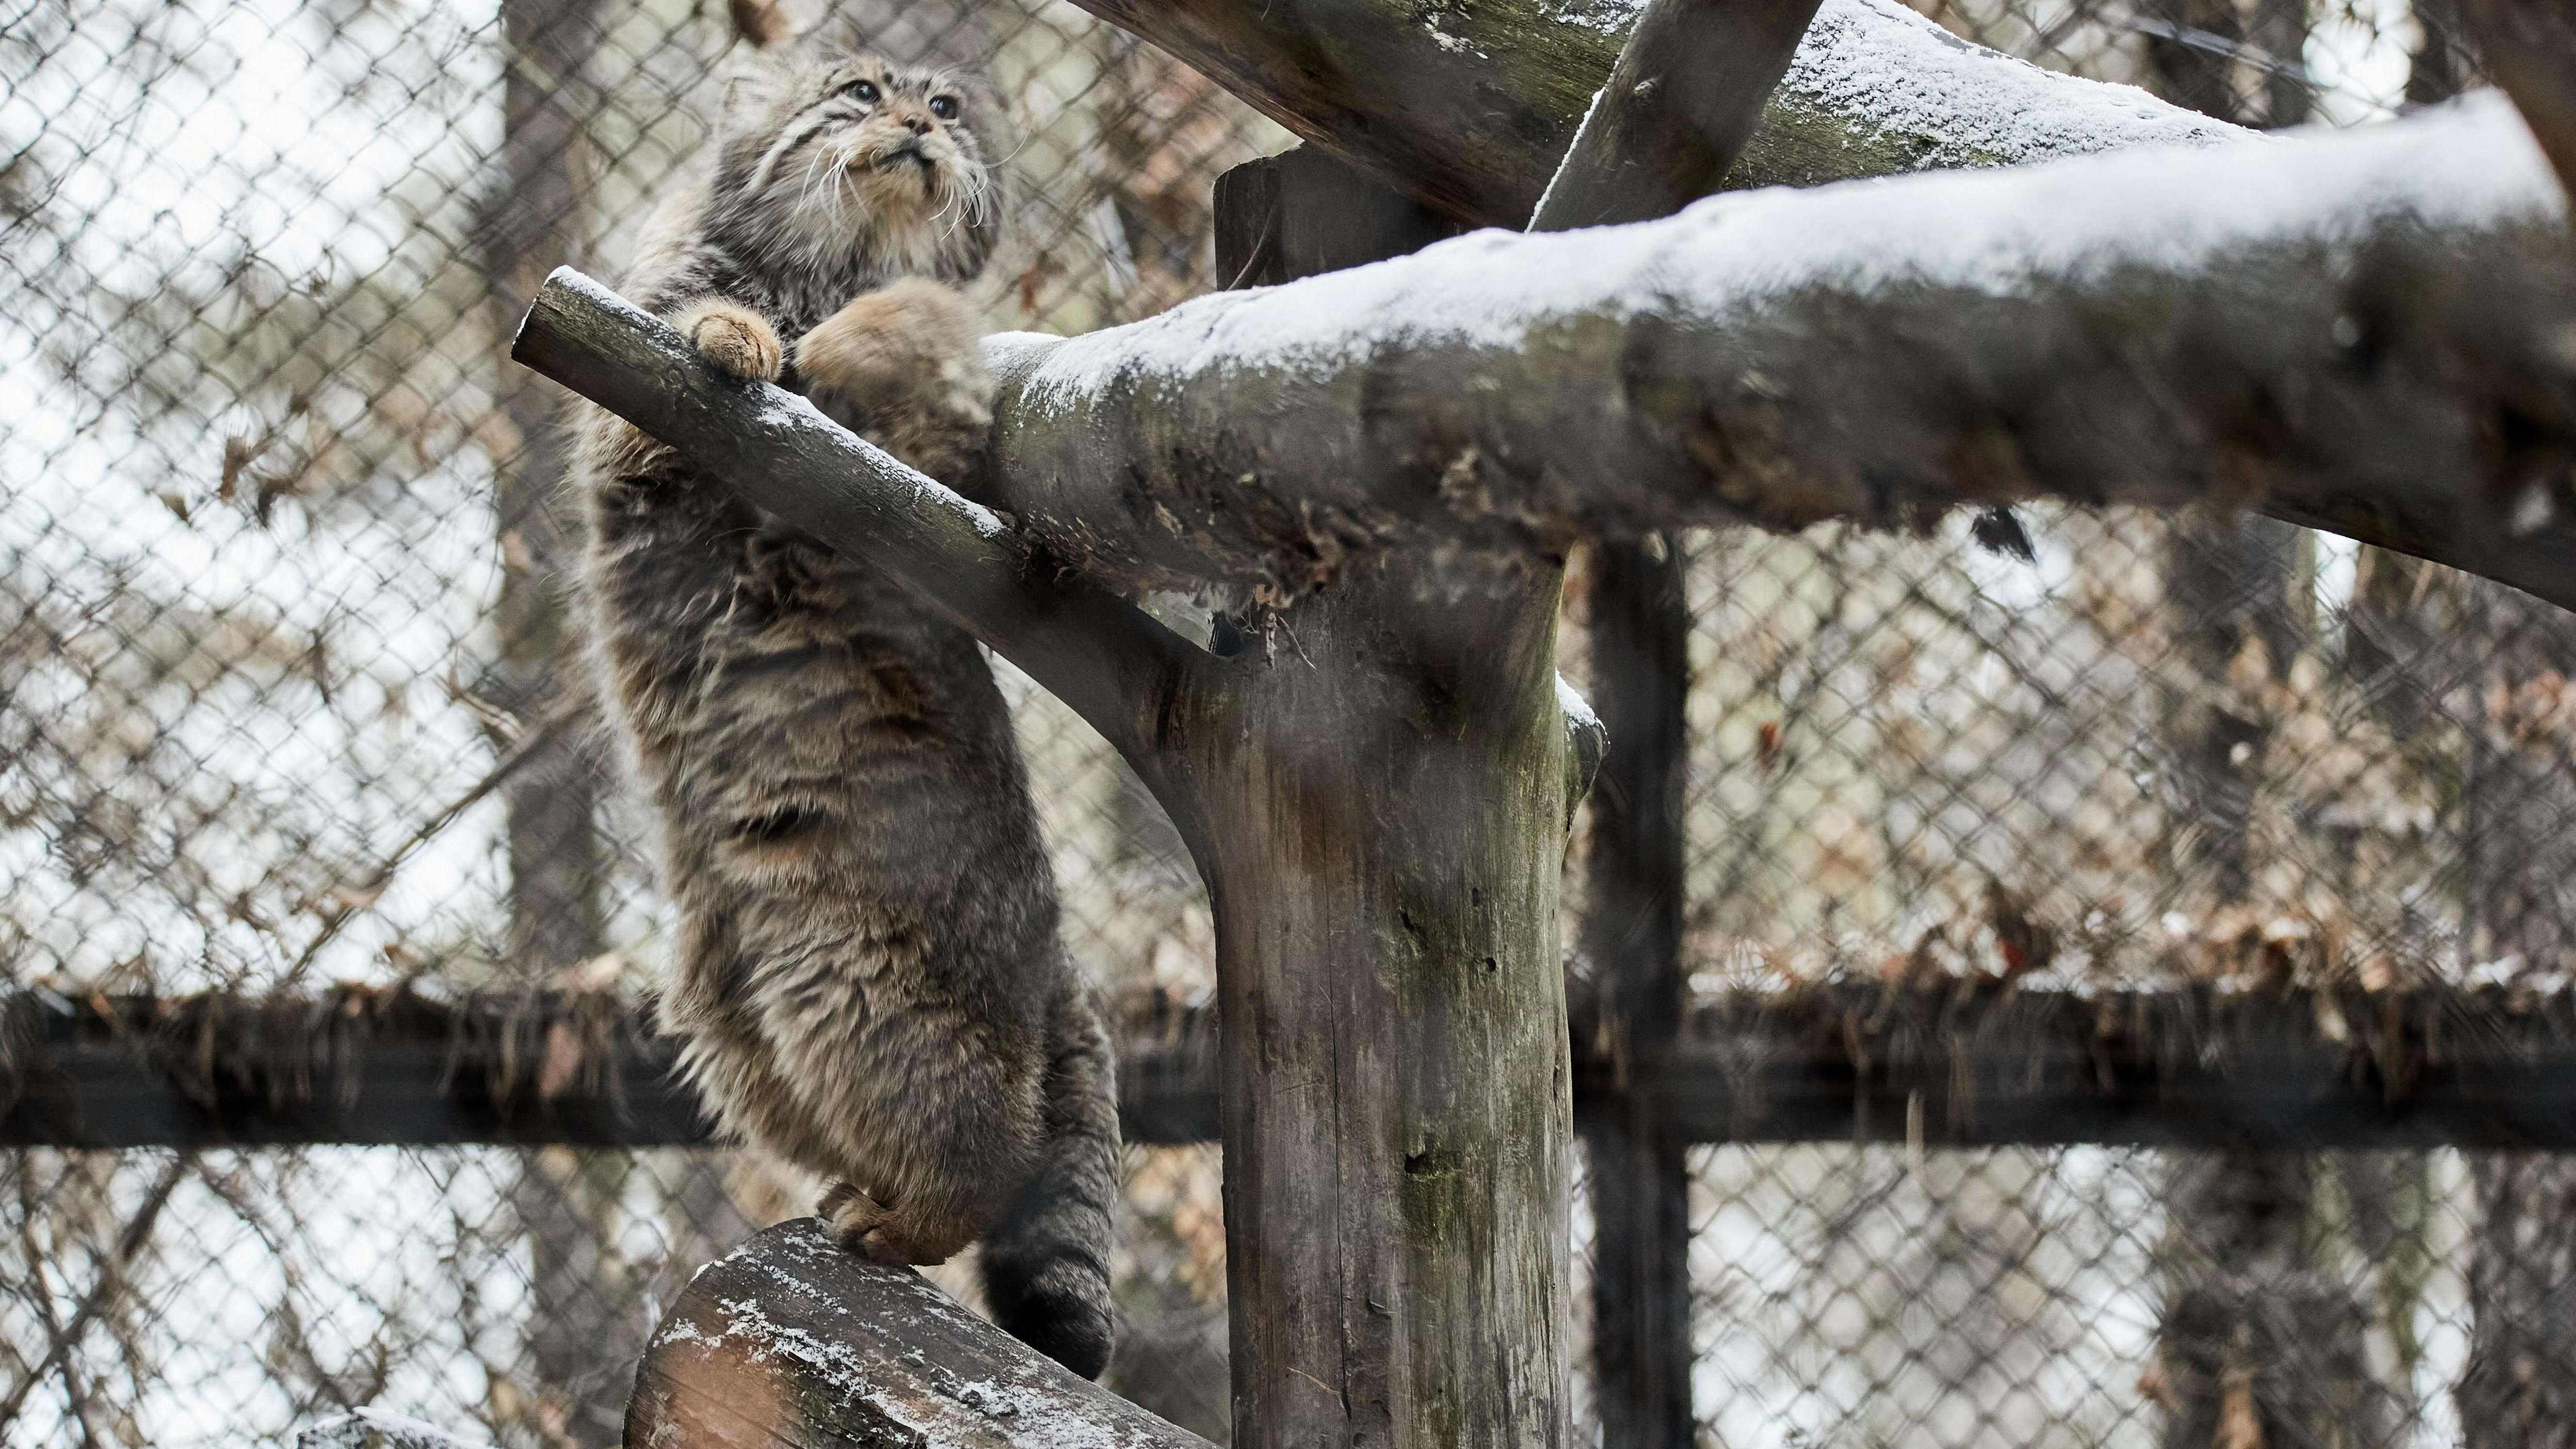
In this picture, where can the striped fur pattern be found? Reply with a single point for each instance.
(869, 979)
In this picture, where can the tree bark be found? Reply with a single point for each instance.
(1676, 111)
(789, 1342)
(1378, 817)
(1396, 1112)
(2384, 369)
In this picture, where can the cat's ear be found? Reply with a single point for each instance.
(762, 22)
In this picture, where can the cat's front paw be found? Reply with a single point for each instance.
(733, 337)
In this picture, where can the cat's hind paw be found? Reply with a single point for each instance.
(733, 337)
(870, 1229)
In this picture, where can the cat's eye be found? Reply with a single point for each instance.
(944, 107)
(865, 90)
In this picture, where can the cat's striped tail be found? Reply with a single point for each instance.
(1046, 1260)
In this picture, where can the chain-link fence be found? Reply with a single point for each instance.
(283, 702)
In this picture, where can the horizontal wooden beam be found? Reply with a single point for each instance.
(1953, 1065)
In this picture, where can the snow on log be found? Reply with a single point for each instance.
(2371, 332)
(1469, 107)
(790, 1343)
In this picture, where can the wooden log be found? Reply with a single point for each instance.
(2432, 1067)
(1094, 651)
(790, 1342)
(348, 1066)
(1380, 820)
(1675, 113)
(364, 1068)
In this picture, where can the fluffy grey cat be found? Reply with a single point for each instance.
(869, 980)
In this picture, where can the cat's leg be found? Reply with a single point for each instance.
(901, 368)
(1045, 1263)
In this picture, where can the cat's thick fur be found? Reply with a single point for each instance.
(869, 976)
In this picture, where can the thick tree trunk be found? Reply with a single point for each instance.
(1395, 1113)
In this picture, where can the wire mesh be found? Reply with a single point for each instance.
(282, 702)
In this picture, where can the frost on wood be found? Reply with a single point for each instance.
(377, 1429)
(789, 1341)
(2367, 332)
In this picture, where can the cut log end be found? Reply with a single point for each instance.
(791, 1341)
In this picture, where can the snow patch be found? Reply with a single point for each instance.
(1577, 710)
(1889, 69)
(1610, 17)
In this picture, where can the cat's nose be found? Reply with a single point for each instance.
(917, 122)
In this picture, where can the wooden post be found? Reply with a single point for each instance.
(1380, 818)
(1380, 829)
(1640, 636)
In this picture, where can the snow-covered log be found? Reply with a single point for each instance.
(2367, 332)
(1469, 107)
(790, 1343)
